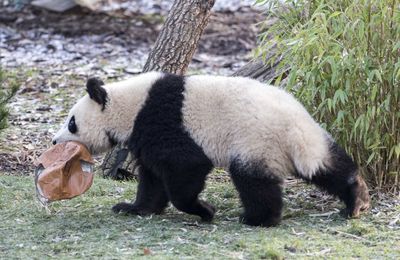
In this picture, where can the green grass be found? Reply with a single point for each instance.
(84, 227)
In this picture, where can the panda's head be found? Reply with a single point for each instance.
(87, 120)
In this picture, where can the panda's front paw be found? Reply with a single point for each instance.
(124, 207)
(129, 208)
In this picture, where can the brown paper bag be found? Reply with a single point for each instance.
(64, 171)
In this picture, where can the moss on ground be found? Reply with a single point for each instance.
(85, 227)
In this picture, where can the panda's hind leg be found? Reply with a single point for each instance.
(260, 192)
(151, 197)
(341, 179)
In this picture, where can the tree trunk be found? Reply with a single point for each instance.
(172, 52)
(179, 36)
(262, 71)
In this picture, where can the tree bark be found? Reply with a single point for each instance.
(178, 39)
(262, 71)
(172, 52)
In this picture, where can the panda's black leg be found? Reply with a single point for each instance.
(151, 197)
(341, 179)
(260, 192)
(184, 181)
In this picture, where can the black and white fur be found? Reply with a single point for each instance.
(179, 128)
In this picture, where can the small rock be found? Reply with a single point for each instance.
(29, 147)
(132, 70)
(44, 108)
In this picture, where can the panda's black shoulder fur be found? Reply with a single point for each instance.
(158, 130)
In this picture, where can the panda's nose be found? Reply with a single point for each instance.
(54, 142)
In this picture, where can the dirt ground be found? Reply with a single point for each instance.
(50, 55)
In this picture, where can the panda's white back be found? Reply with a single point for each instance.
(234, 117)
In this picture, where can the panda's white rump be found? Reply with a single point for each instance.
(234, 117)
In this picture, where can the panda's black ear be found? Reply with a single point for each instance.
(96, 91)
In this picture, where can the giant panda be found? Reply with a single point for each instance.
(180, 127)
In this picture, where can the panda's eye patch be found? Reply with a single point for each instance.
(72, 126)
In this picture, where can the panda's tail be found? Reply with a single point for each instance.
(310, 151)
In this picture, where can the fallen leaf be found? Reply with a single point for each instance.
(146, 251)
